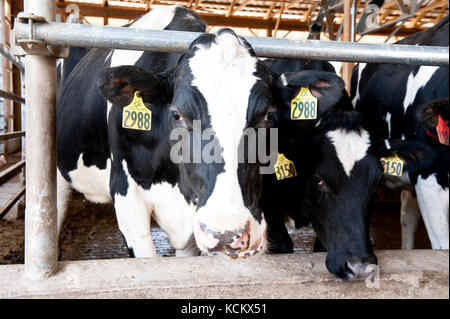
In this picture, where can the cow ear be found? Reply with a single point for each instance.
(431, 111)
(118, 85)
(327, 87)
(417, 155)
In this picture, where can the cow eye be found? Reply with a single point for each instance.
(318, 182)
(176, 115)
(270, 116)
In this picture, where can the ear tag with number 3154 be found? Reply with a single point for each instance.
(304, 105)
(392, 165)
(136, 115)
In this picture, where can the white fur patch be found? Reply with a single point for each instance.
(169, 208)
(156, 19)
(350, 147)
(64, 190)
(357, 95)
(416, 82)
(388, 122)
(434, 204)
(172, 212)
(92, 181)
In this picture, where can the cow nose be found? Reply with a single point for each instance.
(229, 241)
(359, 270)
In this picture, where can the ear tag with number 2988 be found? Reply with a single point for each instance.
(136, 115)
(304, 105)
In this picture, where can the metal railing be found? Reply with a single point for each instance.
(79, 35)
(7, 54)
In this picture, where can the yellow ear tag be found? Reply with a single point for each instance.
(136, 115)
(284, 168)
(392, 165)
(304, 105)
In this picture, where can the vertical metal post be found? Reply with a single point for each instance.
(347, 67)
(40, 214)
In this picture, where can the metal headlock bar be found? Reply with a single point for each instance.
(79, 35)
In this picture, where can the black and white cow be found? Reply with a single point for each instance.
(389, 97)
(337, 175)
(218, 81)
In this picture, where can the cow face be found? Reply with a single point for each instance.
(218, 90)
(228, 90)
(344, 177)
(338, 172)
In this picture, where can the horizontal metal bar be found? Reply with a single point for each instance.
(61, 34)
(10, 203)
(12, 96)
(11, 171)
(8, 136)
(7, 54)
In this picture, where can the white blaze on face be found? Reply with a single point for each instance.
(223, 73)
(350, 147)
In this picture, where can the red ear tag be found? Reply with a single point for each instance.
(442, 131)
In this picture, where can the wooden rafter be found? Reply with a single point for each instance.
(230, 10)
(269, 11)
(277, 24)
(241, 6)
(441, 14)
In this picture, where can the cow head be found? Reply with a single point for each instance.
(217, 90)
(338, 171)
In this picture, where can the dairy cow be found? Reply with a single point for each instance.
(337, 173)
(219, 82)
(389, 96)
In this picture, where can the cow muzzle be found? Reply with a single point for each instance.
(357, 270)
(237, 243)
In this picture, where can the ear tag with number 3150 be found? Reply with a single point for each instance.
(136, 115)
(392, 165)
(304, 105)
(284, 168)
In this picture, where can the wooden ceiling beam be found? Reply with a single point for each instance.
(277, 24)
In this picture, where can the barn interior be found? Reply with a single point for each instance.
(92, 232)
